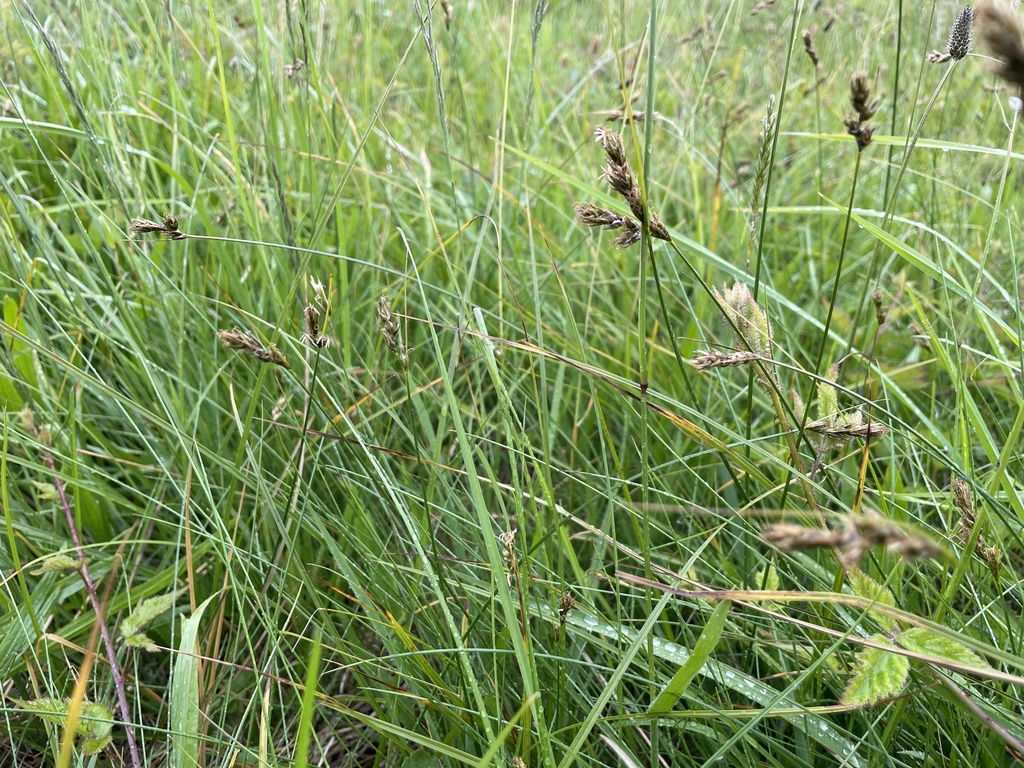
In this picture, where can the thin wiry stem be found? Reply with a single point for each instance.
(887, 219)
(90, 589)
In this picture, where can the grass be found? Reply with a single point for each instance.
(501, 519)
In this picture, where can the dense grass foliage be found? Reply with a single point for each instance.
(502, 516)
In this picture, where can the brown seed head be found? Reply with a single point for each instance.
(810, 50)
(612, 144)
(860, 96)
(1000, 32)
(248, 344)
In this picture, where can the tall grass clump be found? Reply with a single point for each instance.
(361, 409)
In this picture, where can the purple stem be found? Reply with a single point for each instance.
(115, 671)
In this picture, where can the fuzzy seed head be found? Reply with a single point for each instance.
(1000, 32)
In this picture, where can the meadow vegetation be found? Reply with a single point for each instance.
(538, 383)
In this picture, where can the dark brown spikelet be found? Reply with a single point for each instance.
(860, 99)
(168, 228)
(312, 336)
(565, 604)
(592, 216)
(810, 50)
(248, 344)
(860, 96)
(621, 179)
(959, 44)
(612, 145)
(1000, 32)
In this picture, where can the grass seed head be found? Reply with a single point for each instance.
(1000, 32)
(810, 50)
(714, 359)
(748, 318)
(860, 99)
(168, 227)
(389, 330)
(611, 143)
(312, 336)
(959, 44)
(248, 344)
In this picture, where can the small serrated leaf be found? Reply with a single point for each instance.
(828, 401)
(57, 564)
(868, 588)
(95, 720)
(140, 640)
(131, 628)
(930, 643)
(879, 674)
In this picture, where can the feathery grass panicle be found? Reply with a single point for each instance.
(747, 317)
(711, 358)
(959, 43)
(248, 344)
(1000, 31)
(764, 155)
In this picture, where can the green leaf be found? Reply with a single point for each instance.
(879, 674)
(94, 724)
(930, 643)
(868, 588)
(185, 695)
(131, 628)
(706, 643)
(57, 564)
(308, 704)
(828, 401)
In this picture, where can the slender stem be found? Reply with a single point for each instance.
(839, 274)
(108, 643)
(887, 220)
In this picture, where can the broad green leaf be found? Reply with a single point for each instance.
(185, 696)
(870, 589)
(706, 643)
(879, 674)
(929, 643)
(131, 628)
(94, 724)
